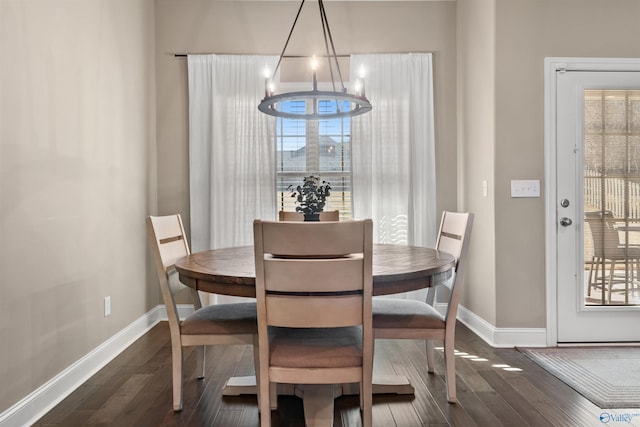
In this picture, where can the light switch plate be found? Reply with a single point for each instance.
(107, 306)
(525, 188)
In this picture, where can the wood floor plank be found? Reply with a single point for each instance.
(382, 412)
(347, 412)
(520, 404)
(135, 390)
(454, 414)
(117, 403)
(412, 365)
(56, 415)
(577, 409)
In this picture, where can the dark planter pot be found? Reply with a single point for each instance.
(312, 217)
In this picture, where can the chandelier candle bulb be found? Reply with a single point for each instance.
(266, 82)
(314, 67)
(358, 88)
(362, 74)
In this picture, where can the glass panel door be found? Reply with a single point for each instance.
(598, 223)
(611, 168)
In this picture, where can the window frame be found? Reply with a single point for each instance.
(340, 180)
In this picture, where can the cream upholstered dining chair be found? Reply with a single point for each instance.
(313, 289)
(409, 319)
(299, 216)
(607, 247)
(216, 324)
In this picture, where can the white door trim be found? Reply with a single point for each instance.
(551, 66)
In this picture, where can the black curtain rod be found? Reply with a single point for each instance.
(184, 55)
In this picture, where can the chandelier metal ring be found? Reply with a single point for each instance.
(358, 105)
(347, 105)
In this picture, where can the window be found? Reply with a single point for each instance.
(320, 147)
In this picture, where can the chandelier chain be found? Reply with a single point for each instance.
(284, 48)
(327, 30)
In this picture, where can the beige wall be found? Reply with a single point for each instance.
(205, 26)
(476, 139)
(527, 31)
(76, 123)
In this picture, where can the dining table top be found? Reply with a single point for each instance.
(396, 269)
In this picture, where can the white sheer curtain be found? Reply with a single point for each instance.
(393, 149)
(231, 149)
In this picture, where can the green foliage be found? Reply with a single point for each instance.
(312, 195)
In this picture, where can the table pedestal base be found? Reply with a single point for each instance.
(382, 384)
(318, 399)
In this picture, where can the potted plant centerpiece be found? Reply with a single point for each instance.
(311, 196)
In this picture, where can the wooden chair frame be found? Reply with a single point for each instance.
(314, 280)
(169, 243)
(453, 237)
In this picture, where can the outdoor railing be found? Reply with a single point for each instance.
(618, 195)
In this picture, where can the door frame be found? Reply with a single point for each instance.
(552, 65)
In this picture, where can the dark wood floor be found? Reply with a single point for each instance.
(135, 390)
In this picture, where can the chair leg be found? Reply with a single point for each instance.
(450, 368)
(201, 354)
(256, 365)
(264, 406)
(176, 362)
(430, 359)
(366, 404)
(611, 272)
(273, 396)
(591, 278)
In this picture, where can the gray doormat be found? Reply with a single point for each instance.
(607, 376)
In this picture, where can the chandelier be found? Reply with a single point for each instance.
(347, 104)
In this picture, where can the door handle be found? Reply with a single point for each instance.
(565, 222)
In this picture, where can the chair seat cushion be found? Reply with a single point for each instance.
(391, 313)
(315, 348)
(222, 319)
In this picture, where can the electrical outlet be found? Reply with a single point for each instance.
(107, 306)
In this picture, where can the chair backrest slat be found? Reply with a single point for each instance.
(452, 230)
(169, 235)
(169, 243)
(604, 236)
(453, 237)
(337, 275)
(312, 311)
(299, 216)
(312, 239)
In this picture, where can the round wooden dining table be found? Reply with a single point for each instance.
(396, 269)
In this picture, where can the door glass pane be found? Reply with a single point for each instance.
(612, 197)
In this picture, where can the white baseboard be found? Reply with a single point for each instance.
(32, 407)
(502, 337)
